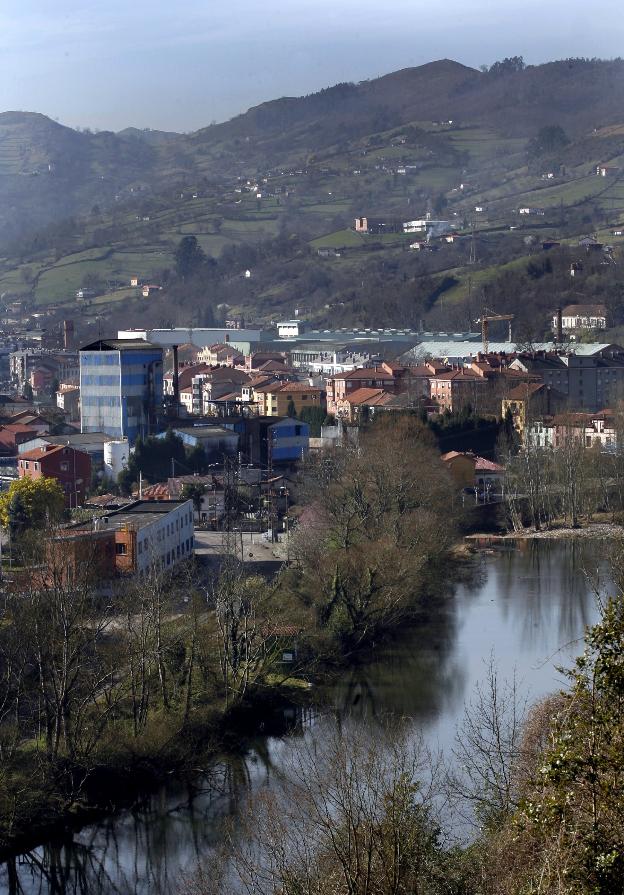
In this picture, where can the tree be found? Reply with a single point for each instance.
(291, 410)
(570, 831)
(189, 257)
(31, 503)
(195, 491)
(352, 818)
(246, 630)
(549, 140)
(315, 417)
(385, 510)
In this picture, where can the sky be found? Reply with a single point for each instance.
(150, 63)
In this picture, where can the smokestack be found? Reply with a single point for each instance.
(559, 338)
(176, 380)
(68, 333)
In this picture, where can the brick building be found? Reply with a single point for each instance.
(70, 467)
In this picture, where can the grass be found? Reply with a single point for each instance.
(337, 240)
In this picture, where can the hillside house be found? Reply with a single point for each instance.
(377, 226)
(607, 170)
(574, 317)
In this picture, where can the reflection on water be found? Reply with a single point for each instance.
(528, 608)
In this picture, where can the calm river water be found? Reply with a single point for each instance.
(526, 608)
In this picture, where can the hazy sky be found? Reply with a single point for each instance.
(154, 64)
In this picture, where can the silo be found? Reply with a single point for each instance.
(116, 455)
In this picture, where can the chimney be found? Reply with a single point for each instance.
(559, 338)
(68, 333)
(176, 378)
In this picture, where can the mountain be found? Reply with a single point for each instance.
(276, 190)
(48, 171)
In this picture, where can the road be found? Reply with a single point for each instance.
(256, 550)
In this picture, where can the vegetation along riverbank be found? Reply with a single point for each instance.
(104, 692)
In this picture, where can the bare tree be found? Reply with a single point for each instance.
(353, 817)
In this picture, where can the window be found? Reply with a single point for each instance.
(140, 546)
(121, 549)
(64, 467)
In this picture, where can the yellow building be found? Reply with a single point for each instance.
(278, 398)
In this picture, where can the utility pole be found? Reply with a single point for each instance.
(473, 248)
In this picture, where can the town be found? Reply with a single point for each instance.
(157, 415)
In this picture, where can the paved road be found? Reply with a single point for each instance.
(255, 549)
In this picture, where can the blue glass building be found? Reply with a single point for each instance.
(121, 387)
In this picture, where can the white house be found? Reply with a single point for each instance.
(575, 317)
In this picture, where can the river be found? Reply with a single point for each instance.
(525, 608)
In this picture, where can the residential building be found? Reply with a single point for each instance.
(280, 398)
(186, 372)
(591, 378)
(92, 443)
(39, 368)
(214, 384)
(470, 471)
(68, 400)
(70, 467)
(12, 435)
(531, 401)
(221, 353)
(456, 390)
(366, 402)
(121, 387)
(388, 377)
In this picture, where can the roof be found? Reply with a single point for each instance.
(463, 374)
(205, 431)
(451, 455)
(584, 310)
(365, 395)
(525, 390)
(483, 465)
(139, 514)
(366, 373)
(76, 439)
(300, 387)
(121, 345)
(41, 452)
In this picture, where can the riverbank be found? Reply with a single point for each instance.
(106, 789)
(596, 530)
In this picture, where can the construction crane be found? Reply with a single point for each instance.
(485, 319)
